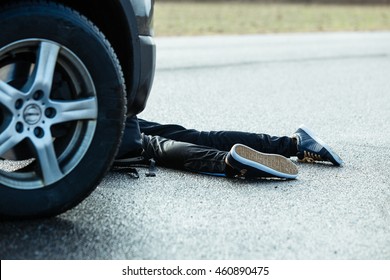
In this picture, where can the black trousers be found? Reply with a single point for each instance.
(174, 146)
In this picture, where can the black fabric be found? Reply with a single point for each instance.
(174, 146)
(184, 155)
(132, 141)
(221, 140)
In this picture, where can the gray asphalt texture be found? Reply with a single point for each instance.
(336, 83)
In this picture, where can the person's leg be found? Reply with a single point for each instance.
(222, 140)
(304, 143)
(240, 161)
(131, 145)
(185, 156)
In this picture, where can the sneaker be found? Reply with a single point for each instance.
(250, 163)
(311, 148)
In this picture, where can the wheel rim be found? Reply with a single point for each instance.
(48, 113)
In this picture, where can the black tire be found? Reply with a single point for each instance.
(62, 109)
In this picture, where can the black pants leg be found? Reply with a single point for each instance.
(184, 155)
(200, 151)
(222, 140)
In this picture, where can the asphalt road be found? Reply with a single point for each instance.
(337, 84)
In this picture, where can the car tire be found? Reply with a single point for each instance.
(62, 108)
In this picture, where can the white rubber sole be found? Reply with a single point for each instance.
(276, 165)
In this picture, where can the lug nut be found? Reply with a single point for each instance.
(18, 104)
(38, 95)
(39, 132)
(19, 127)
(50, 113)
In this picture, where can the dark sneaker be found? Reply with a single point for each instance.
(250, 163)
(311, 148)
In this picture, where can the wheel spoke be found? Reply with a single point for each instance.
(7, 94)
(74, 110)
(8, 139)
(48, 160)
(45, 65)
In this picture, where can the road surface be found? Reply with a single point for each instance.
(336, 83)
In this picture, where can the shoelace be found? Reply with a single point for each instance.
(309, 156)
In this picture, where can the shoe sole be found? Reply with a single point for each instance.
(276, 165)
(336, 159)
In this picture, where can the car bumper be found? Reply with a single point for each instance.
(143, 58)
(147, 63)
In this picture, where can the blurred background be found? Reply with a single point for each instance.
(213, 17)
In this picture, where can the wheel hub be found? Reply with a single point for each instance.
(32, 114)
